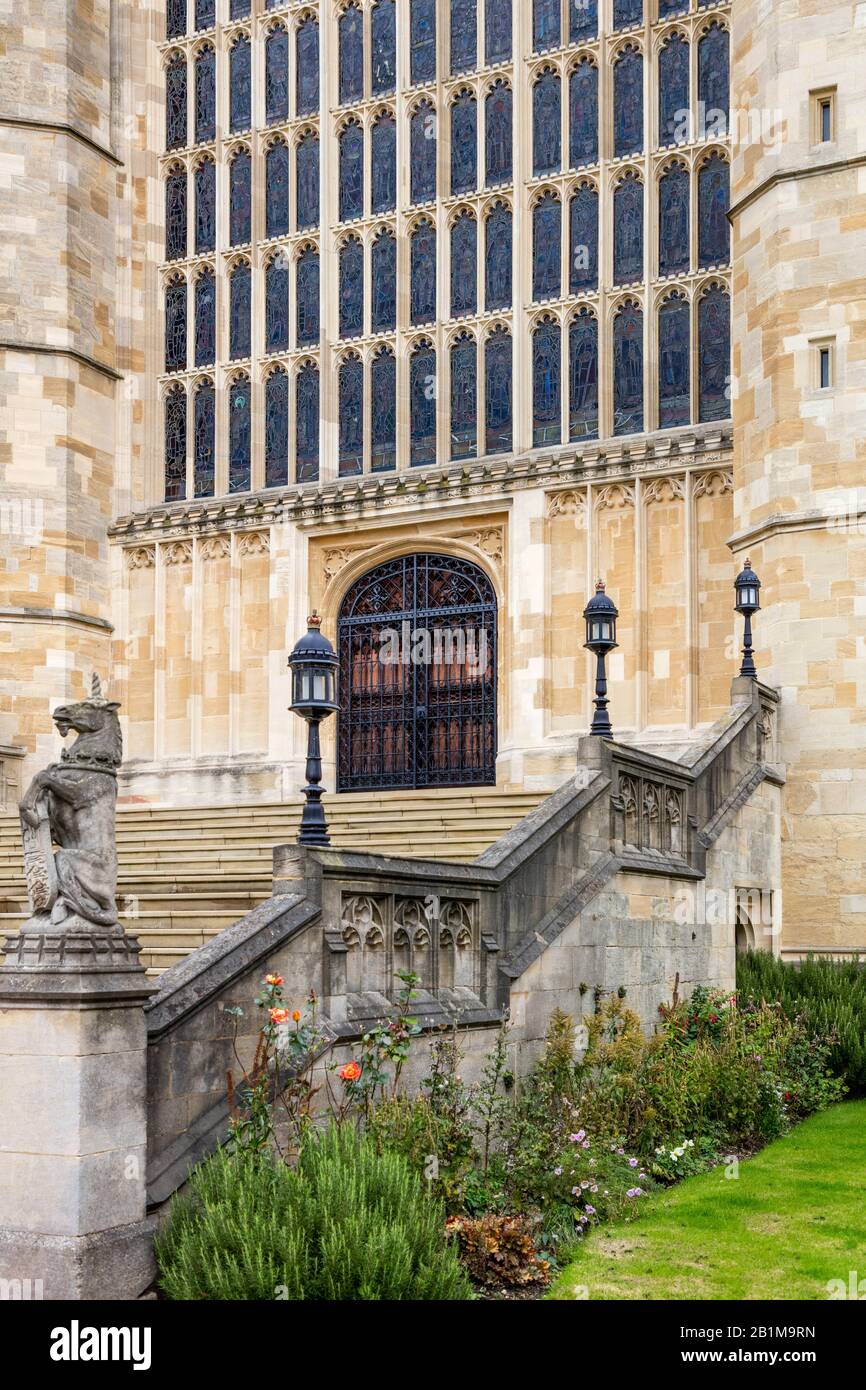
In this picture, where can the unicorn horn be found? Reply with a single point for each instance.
(95, 687)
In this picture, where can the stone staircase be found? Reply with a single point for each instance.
(187, 873)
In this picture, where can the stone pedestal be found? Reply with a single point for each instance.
(73, 1113)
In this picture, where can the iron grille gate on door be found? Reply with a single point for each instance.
(417, 646)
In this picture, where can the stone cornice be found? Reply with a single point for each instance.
(780, 522)
(806, 171)
(51, 350)
(62, 128)
(54, 615)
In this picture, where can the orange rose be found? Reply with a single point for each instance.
(296, 1015)
(278, 1015)
(350, 1072)
(273, 979)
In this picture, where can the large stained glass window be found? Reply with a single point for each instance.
(674, 352)
(277, 75)
(204, 439)
(175, 445)
(277, 429)
(240, 310)
(714, 81)
(714, 354)
(351, 54)
(464, 143)
(545, 25)
(628, 103)
(175, 215)
(307, 180)
(667, 8)
(422, 150)
(628, 231)
(351, 431)
(351, 172)
(351, 288)
(497, 31)
(175, 103)
(307, 60)
(422, 41)
(277, 189)
(422, 404)
(583, 376)
(674, 112)
(498, 134)
(626, 13)
(205, 14)
(240, 435)
(422, 297)
(497, 259)
(582, 20)
(205, 95)
(628, 369)
(383, 262)
(307, 297)
(277, 304)
(464, 397)
(583, 243)
(205, 206)
(239, 9)
(464, 35)
(547, 248)
(547, 383)
(205, 319)
(383, 400)
(175, 326)
(674, 253)
(464, 265)
(714, 196)
(383, 27)
(240, 199)
(498, 393)
(384, 161)
(240, 84)
(583, 114)
(307, 424)
(546, 124)
(175, 19)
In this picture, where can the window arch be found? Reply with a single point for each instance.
(583, 114)
(674, 357)
(204, 439)
(464, 143)
(307, 67)
(583, 20)
(383, 33)
(628, 220)
(547, 248)
(307, 397)
(307, 297)
(240, 84)
(497, 31)
(547, 123)
(383, 399)
(626, 13)
(464, 265)
(674, 240)
(175, 325)
(422, 41)
(497, 258)
(351, 426)
(205, 14)
(422, 149)
(498, 107)
(422, 404)
(351, 31)
(240, 435)
(422, 307)
(277, 429)
(714, 80)
(351, 172)
(498, 392)
(205, 94)
(240, 198)
(277, 189)
(351, 288)
(205, 206)
(464, 397)
(205, 319)
(175, 19)
(545, 25)
(583, 376)
(674, 106)
(464, 36)
(384, 163)
(175, 102)
(240, 307)
(714, 196)
(383, 262)
(584, 240)
(628, 415)
(175, 214)
(547, 382)
(628, 103)
(277, 75)
(174, 456)
(714, 354)
(307, 180)
(277, 304)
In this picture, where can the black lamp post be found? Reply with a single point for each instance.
(313, 665)
(601, 614)
(748, 586)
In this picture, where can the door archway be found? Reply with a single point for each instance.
(416, 640)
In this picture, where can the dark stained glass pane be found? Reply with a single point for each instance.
(497, 259)
(464, 399)
(240, 450)
(628, 231)
(277, 306)
(175, 215)
(498, 393)
(175, 19)
(384, 287)
(582, 20)
(277, 189)
(714, 196)
(464, 36)
(383, 397)
(175, 445)
(240, 199)
(240, 85)
(674, 363)
(628, 370)
(545, 24)
(422, 141)
(307, 176)
(583, 377)
(384, 172)
(672, 7)
(351, 55)
(205, 206)
(464, 266)
(583, 248)
(714, 81)
(422, 41)
(307, 58)
(351, 172)
(422, 406)
(583, 114)
(277, 76)
(204, 441)
(674, 113)
(175, 328)
(239, 311)
(497, 31)
(546, 125)
(307, 424)
(351, 289)
(239, 9)
(627, 12)
(464, 143)
(175, 104)
(351, 458)
(546, 383)
(628, 103)
(308, 297)
(674, 254)
(714, 355)
(498, 134)
(547, 248)
(383, 30)
(205, 319)
(277, 429)
(205, 14)
(423, 273)
(205, 95)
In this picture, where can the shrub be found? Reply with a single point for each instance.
(348, 1223)
(499, 1252)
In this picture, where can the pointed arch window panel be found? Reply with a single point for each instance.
(464, 265)
(583, 249)
(674, 357)
(204, 440)
(383, 30)
(498, 393)
(714, 355)
(498, 108)
(240, 307)
(351, 289)
(464, 144)
(240, 199)
(175, 444)
(307, 424)
(627, 13)
(628, 103)
(384, 162)
(205, 95)
(383, 400)
(547, 248)
(714, 81)
(277, 305)
(464, 397)
(240, 85)
(205, 319)
(714, 197)
(628, 414)
(546, 124)
(205, 14)
(583, 114)
(351, 390)
(422, 41)
(205, 206)
(277, 189)
(307, 298)
(351, 172)
(175, 103)
(175, 215)
(422, 148)
(497, 31)
(240, 435)
(277, 75)
(307, 67)
(674, 247)
(583, 376)
(422, 296)
(351, 31)
(545, 25)
(307, 180)
(674, 110)
(628, 218)
(464, 36)
(497, 259)
(277, 429)
(175, 327)
(175, 19)
(422, 405)
(547, 383)
(383, 260)
(583, 20)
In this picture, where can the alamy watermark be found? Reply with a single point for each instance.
(467, 648)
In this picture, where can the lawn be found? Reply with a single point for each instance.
(793, 1219)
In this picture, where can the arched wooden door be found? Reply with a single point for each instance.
(417, 646)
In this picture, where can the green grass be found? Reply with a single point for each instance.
(793, 1219)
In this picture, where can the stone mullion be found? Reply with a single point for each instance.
(645, 162)
(332, 119)
(521, 274)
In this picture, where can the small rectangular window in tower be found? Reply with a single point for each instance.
(824, 116)
(824, 369)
